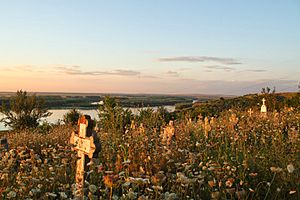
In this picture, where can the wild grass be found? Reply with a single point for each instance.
(236, 157)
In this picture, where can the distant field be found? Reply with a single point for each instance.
(85, 100)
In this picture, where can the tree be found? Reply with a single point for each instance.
(267, 90)
(24, 111)
(72, 116)
(112, 116)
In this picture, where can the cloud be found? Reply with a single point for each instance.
(256, 70)
(217, 67)
(122, 72)
(28, 68)
(150, 77)
(226, 61)
(185, 69)
(75, 70)
(172, 73)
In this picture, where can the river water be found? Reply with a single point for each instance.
(57, 114)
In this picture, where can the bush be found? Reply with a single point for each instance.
(113, 117)
(24, 111)
(72, 116)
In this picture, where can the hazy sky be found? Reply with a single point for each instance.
(157, 46)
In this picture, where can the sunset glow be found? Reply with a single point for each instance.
(172, 47)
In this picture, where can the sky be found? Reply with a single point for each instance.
(159, 46)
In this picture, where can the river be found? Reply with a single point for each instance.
(57, 114)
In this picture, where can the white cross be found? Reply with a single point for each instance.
(263, 100)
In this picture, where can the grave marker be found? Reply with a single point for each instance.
(263, 108)
(250, 111)
(4, 143)
(86, 144)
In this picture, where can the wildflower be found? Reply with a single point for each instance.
(211, 183)
(110, 180)
(253, 174)
(11, 194)
(115, 197)
(142, 198)
(233, 169)
(220, 184)
(215, 195)
(290, 168)
(131, 195)
(200, 164)
(93, 188)
(292, 192)
(100, 168)
(63, 195)
(170, 196)
(182, 178)
(126, 184)
(276, 169)
(126, 162)
(157, 188)
(52, 194)
(229, 182)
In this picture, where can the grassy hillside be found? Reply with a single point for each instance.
(232, 156)
(274, 102)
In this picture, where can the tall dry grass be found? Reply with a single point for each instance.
(240, 157)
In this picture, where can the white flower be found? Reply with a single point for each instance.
(93, 188)
(290, 168)
(11, 194)
(63, 195)
(131, 195)
(275, 169)
(52, 194)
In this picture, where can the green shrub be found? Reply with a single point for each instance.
(113, 117)
(24, 111)
(72, 116)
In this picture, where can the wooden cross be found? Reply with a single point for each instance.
(250, 111)
(85, 146)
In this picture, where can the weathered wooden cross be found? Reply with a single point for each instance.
(250, 111)
(85, 145)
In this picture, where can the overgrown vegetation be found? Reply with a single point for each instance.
(24, 111)
(72, 116)
(275, 102)
(233, 155)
